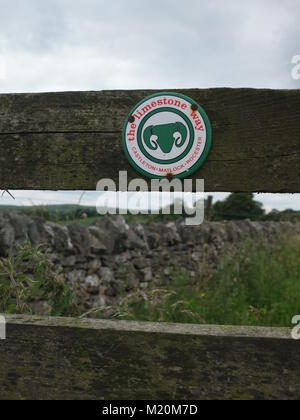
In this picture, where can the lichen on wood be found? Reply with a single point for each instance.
(69, 141)
(61, 358)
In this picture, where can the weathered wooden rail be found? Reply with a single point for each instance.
(69, 141)
(87, 359)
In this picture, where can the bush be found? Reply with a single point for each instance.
(238, 206)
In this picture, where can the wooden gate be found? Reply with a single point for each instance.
(61, 141)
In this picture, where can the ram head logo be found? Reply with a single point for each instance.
(165, 136)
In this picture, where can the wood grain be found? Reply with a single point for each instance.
(68, 141)
(87, 359)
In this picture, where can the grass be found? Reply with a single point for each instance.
(29, 278)
(259, 287)
(86, 222)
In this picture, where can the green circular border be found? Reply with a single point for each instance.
(187, 150)
(206, 150)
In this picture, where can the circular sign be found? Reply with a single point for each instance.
(167, 135)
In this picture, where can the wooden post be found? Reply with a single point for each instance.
(88, 359)
(69, 141)
(209, 208)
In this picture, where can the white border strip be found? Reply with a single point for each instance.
(2, 328)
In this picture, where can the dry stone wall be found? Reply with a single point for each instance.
(110, 258)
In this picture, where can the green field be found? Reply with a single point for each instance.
(259, 287)
(83, 215)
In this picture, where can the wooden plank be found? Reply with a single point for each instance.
(87, 359)
(69, 141)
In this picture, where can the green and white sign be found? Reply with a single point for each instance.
(167, 134)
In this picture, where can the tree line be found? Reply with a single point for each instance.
(237, 206)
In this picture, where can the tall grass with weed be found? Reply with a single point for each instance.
(28, 278)
(260, 286)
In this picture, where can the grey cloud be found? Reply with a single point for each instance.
(27, 198)
(95, 44)
(31, 25)
(162, 43)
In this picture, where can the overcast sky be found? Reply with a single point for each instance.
(59, 45)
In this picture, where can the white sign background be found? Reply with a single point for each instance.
(169, 114)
